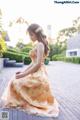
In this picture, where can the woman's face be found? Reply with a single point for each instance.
(33, 37)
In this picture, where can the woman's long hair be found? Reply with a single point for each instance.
(41, 37)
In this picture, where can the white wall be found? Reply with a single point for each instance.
(78, 52)
(1, 63)
(68, 52)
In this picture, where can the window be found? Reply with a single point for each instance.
(73, 53)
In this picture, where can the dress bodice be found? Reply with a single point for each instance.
(33, 55)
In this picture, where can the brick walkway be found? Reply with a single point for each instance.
(65, 82)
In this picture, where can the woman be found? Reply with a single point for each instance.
(30, 89)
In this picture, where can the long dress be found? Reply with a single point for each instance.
(32, 93)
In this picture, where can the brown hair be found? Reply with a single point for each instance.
(41, 37)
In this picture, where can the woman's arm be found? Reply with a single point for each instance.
(36, 66)
(29, 66)
(20, 74)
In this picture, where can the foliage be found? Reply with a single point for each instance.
(73, 59)
(13, 56)
(3, 46)
(15, 50)
(57, 57)
(27, 48)
(66, 33)
(66, 59)
(19, 57)
(19, 54)
(27, 60)
(24, 47)
(5, 36)
(56, 49)
(76, 24)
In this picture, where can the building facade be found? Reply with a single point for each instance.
(73, 46)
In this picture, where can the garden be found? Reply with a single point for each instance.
(63, 71)
(19, 55)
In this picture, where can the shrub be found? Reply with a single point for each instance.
(57, 57)
(13, 56)
(16, 51)
(26, 49)
(46, 62)
(56, 49)
(27, 60)
(73, 59)
(12, 50)
(3, 46)
(66, 59)
(18, 57)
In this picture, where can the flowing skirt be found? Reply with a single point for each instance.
(32, 94)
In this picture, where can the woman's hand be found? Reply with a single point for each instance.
(19, 75)
(18, 72)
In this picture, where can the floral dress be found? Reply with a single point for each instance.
(32, 93)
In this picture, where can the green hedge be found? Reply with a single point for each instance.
(57, 57)
(13, 56)
(26, 49)
(27, 60)
(66, 59)
(12, 50)
(17, 51)
(18, 57)
(73, 59)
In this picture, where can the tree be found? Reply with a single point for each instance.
(66, 33)
(76, 24)
(2, 45)
(2, 41)
(54, 49)
(19, 20)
